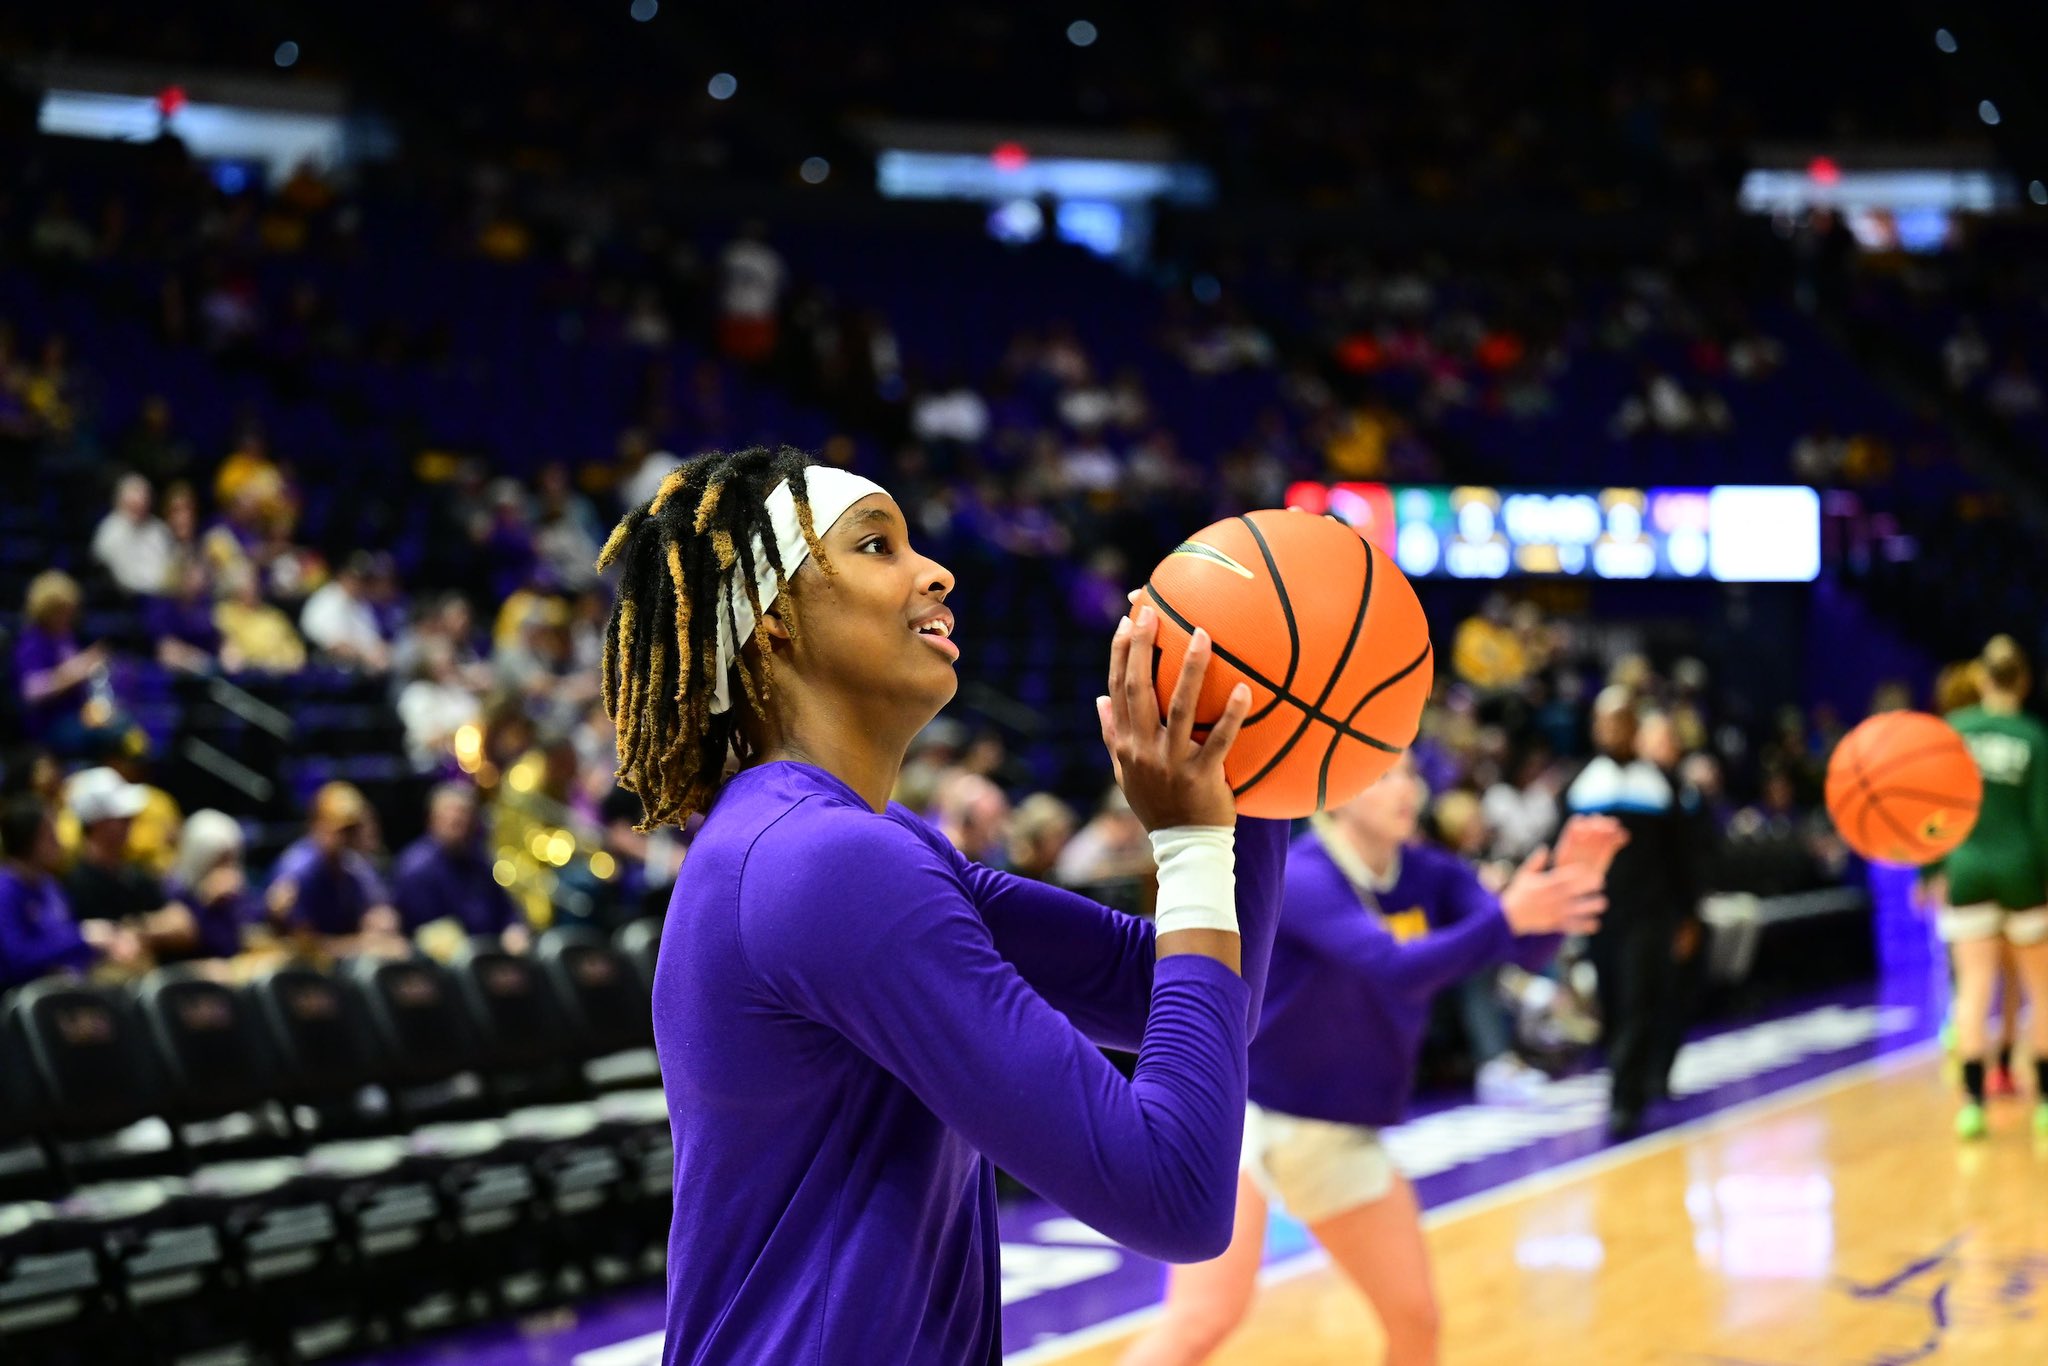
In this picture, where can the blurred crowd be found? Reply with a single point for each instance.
(373, 429)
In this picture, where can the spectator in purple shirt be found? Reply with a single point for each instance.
(181, 621)
(208, 876)
(38, 936)
(325, 889)
(446, 874)
(67, 702)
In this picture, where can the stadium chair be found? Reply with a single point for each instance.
(388, 1202)
(611, 1030)
(51, 1291)
(162, 1259)
(606, 1005)
(481, 1164)
(276, 1216)
(640, 940)
(611, 1024)
(579, 1156)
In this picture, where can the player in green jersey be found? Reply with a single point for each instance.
(1997, 879)
(1955, 688)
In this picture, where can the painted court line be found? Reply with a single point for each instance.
(1536, 1183)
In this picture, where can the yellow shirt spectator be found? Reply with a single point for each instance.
(152, 838)
(1488, 655)
(258, 637)
(1359, 449)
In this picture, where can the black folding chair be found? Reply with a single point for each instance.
(388, 1202)
(276, 1216)
(162, 1259)
(54, 1302)
(480, 1168)
(640, 941)
(611, 1028)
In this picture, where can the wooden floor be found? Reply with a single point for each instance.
(1848, 1228)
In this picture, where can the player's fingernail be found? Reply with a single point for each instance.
(1144, 616)
(1123, 628)
(1241, 693)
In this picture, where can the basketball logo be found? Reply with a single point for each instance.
(1203, 551)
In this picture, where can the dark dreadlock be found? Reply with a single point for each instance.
(677, 554)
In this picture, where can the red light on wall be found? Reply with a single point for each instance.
(1823, 170)
(170, 100)
(1009, 156)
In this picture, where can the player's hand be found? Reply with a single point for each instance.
(1168, 778)
(1546, 899)
(1591, 842)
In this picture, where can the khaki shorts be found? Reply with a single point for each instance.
(1989, 920)
(1313, 1168)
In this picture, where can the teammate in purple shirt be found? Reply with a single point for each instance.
(854, 1021)
(38, 936)
(1372, 926)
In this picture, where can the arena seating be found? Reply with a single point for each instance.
(323, 1160)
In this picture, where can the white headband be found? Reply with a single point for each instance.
(832, 491)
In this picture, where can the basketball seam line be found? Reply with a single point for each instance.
(1330, 754)
(1329, 686)
(1341, 727)
(1287, 611)
(1922, 794)
(1871, 804)
(1897, 759)
(1391, 679)
(1357, 625)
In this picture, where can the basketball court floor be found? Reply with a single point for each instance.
(1801, 1203)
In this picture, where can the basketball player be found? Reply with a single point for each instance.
(853, 1020)
(1955, 688)
(1997, 880)
(1371, 928)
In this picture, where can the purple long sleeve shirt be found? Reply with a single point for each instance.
(333, 893)
(36, 651)
(37, 934)
(1351, 983)
(855, 1023)
(433, 882)
(222, 921)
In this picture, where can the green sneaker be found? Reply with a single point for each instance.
(1970, 1121)
(2041, 1120)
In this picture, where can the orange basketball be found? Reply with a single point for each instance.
(1902, 788)
(1326, 631)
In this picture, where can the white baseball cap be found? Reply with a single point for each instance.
(100, 794)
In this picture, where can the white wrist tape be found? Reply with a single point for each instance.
(1197, 878)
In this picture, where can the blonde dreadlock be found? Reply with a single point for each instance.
(677, 555)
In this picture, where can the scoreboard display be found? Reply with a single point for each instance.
(1727, 533)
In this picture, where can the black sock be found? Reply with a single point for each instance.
(1973, 1080)
(2005, 1058)
(2041, 1081)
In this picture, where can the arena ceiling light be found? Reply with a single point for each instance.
(1893, 198)
(250, 125)
(1099, 186)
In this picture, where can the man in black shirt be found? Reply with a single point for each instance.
(1652, 894)
(104, 884)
